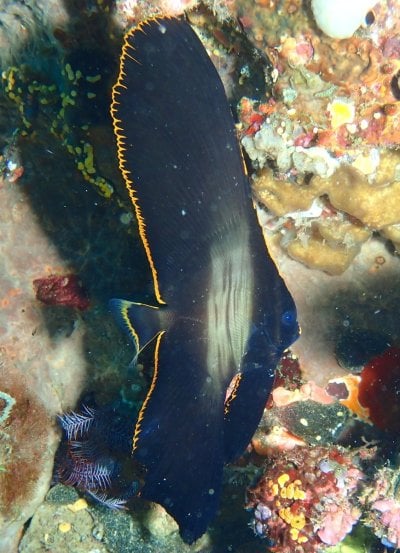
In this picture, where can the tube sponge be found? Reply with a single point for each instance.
(340, 19)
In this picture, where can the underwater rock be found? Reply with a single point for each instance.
(366, 295)
(42, 373)
(392, 233)
(159, 523)
(25, 22)
(355, 347)
(67, 523)
(68, 526)
(313, 422)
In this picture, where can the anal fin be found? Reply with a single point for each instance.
(179, 433)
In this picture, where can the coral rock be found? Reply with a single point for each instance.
(317, 255)
(350, 191)
(42, 374)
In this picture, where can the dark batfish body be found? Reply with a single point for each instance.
(223, 310)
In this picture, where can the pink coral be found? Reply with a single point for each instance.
(337, 523)
(389, 519)
(381, 506)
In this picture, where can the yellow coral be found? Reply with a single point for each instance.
(365, 163)
(285, 514)
(365, 203)
(299, 494)
(79, 505)
(64, 527)
(298, 521)
(295, 521)
(302, 539)
(318, 255)
(282, 479)
(342, 112)
(290, 491)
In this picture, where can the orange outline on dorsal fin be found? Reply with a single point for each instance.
(127, 51)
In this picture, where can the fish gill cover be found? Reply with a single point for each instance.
(223, 310)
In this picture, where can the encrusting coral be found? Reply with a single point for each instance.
(351, 210)
(304, 503)
(380, 498)
(328, 132)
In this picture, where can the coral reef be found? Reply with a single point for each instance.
(327, 135)
(130, 12)
(73, 86)
(312, 491)
(51, 225)
(303, 501)
(320, 128)
(382, 506)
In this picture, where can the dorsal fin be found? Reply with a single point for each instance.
(177, 148)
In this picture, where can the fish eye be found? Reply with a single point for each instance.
(288, 318)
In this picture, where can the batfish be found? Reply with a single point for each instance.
(223, 315)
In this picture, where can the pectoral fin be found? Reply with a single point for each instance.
(244, 409)
(245, 406)
(142, 322)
